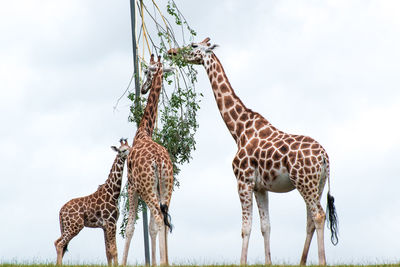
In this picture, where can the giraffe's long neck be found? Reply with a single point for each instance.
(147, 123)
(232, 109)
(114, 180)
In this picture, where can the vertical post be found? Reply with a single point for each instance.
(134, 46)
(137, 102)
(146, 234)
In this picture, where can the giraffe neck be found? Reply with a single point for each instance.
(148, 121)
(232, 109)
(114, 180)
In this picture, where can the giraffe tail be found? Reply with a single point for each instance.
(167, 217)
(65, 249)
(163, 207)
(332, 217)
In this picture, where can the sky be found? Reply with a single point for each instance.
(326, 69)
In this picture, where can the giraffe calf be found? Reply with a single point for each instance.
(98, 210)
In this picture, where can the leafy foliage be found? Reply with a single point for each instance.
(179, 125)
(173, 10)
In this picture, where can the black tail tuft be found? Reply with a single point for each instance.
(167, 217)
(332, 219)
(65, 249)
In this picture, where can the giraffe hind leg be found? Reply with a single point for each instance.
(165, 197)
(154, 208)
(310, 229)
(317, 215)
(153, 229)
(316, 221)
(162, 239)
(319, 220)
(61, 243)
(163, 178)
(60, 249)
(63, 249)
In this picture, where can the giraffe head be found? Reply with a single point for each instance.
(150, 72)
(195, 53)
(124, 149)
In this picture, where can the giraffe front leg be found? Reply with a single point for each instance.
(262, 203)
(108, 250)
(246, 200)
(310, 232)
(130, 227)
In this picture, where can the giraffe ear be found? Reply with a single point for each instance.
(152, 68)
(206, 40)
(114, 148)
(211, 48)
(168, 69)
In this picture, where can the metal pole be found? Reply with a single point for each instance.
(137, 102)
(134, 46)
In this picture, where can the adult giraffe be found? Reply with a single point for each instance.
(150, 170)
(268, 160)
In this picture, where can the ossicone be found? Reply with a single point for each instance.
(205, 41)
(168, 69)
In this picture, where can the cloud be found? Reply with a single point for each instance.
(373, 130)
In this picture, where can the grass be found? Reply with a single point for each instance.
(231, 265)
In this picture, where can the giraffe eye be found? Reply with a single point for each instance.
(194, 45)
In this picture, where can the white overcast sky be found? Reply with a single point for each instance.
(327, 69)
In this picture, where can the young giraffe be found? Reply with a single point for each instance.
(98, 210)
(268, 160)
(150, 170)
